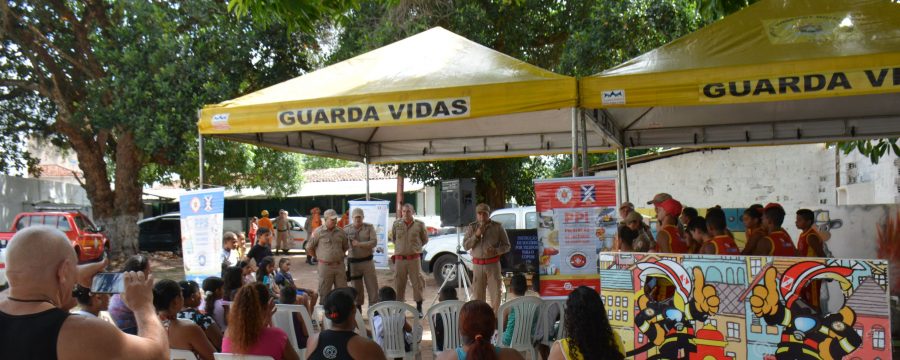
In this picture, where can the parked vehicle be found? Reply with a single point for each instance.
(438, 255)
(160, 233)
(87, 240)
(3, 282)
(298, 233)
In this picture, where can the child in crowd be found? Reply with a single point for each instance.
(266, 276)
(447, 293)
(283, 278)
(387, 293)
(190, 292)
(289, 296)
(518, 285)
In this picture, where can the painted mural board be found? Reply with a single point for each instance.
(746, 307)
(578, 219)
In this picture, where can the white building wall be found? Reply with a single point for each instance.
(19, 194)
(795, 176)
(863, 182)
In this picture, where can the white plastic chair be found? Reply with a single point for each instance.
(230, 356)
(179, 354)
(526, 307)
(448, 311)
(319, 313)
(394, 340)
(282, 319)
(548, 321)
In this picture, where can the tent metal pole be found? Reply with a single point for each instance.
(200, 150)
(574, 143)
(625, 175)
(584, 145)
(366, 161)
(619, 199)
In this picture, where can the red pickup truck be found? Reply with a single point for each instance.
(89, 243)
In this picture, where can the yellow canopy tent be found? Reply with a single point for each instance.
(778, 71)
(432, 96)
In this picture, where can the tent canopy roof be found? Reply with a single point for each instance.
(778, 71)
(432, 96)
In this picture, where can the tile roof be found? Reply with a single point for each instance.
(869, 299)
(616, 279)
(345, 174)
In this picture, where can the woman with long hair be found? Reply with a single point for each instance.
(183, 334)
(476, 326)
(118, 310)
(589, 336)
(248, 332)
(190, 291)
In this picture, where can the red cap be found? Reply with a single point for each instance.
(671, 206)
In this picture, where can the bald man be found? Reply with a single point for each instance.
(34, 313)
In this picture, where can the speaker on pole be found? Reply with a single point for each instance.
(457, 202)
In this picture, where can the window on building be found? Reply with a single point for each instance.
(755, 266)
(712, 322)
(731, 355)
(640, 337)
(618, 315)
(734, 330)
(624, 315)
(878, 337)
(625, 302)
(609, 314)
(609, 300)
(881, 279)
(859, 331)
(618, 301)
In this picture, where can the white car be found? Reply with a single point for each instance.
(298, 233)
(438, 255)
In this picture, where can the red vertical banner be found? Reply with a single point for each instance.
(578, 219)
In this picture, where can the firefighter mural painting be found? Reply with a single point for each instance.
(747, 307)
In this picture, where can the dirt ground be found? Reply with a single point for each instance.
(165, 265)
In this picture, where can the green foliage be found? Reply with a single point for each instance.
(296, 15)
(874, 149)
(561, 165)
(712, 10)
(311, 162)
(156, 63)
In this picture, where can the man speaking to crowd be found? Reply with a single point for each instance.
(486, 241)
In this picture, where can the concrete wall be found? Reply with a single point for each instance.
(19, 194)
(795, 176)
(865, 183)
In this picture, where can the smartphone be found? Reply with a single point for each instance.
(108, 283)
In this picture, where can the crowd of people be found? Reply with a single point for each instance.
(682, 230)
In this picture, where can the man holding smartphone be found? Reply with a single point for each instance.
(35, 322)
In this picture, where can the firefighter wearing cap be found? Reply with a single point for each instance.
(362, 269)
(265, 222)
(329, 244)
(486, 241)
(777, 242)
(408, 235)
(668, 238)
(282, 232)
(806, 334)
(670, 305)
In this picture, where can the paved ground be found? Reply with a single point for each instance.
(167, 266)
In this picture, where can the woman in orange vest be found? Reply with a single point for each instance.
(264, 222)
(754, 232)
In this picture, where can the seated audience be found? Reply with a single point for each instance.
(289, 296)
(183, 334)
(588, 334)
(190, 291)
(387, 293)
(42, 268)
(643, 239)
(266, 275)
(447, 293)
(340, 308)
(283, 278)
(231, 283)
(118, 310)
(89, 304)
(477, 324)
(517, 286)
(248, 331)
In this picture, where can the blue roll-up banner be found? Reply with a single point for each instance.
(376, 213)
(202, 215)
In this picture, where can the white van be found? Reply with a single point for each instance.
(438, 255)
